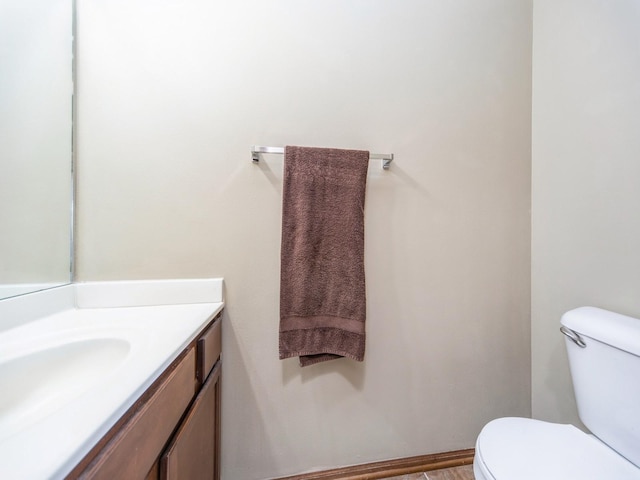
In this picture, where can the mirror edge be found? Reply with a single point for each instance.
(74, 141)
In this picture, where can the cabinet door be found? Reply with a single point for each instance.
(192, 454)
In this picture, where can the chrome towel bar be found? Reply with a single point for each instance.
(256, 150)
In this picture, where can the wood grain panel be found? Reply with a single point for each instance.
(209, 348)
(191, 453)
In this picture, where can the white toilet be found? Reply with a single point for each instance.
(604, 357)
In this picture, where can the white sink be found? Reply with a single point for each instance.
(44, 380)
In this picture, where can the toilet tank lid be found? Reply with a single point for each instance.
(612, 328)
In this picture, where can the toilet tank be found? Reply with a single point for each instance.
(606, 376)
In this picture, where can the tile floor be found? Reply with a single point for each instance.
(456, 473)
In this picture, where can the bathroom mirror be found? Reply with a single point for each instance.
(36, 105)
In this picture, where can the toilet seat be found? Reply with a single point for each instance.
(526, 449)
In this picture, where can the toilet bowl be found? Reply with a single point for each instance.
(604, 357)
(523, 449)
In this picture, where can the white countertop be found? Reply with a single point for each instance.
(128, 335)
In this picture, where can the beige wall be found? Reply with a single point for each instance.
(172, 96)
(586, 171)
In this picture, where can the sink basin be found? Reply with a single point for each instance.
(40, 382)
(75, 359)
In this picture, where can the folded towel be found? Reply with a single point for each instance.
(322, 285)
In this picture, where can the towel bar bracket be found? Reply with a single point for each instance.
(256, 150)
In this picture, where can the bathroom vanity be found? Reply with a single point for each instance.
(112, 380)
(173, 430)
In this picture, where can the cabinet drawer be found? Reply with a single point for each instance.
(135, 448)
(209, 346)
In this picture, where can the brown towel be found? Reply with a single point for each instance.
(322, 287)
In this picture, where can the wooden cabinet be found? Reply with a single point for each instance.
(173, 431)
(192, 454)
